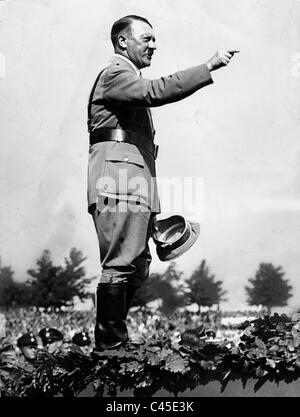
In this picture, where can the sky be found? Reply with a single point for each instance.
(240, 135)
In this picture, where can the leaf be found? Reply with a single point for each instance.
(226, 344)
(274, 348)
(284, 318)
(131, 367)
(260, 383)
(182, 353)
(153, 360)
(296, 340)
(283, 342)
(244, 325)
(206, 365)
(259, 343)
(153, 349)
(247, 339)
(226, 375)
(29, 368)
(2, 385)
(244, 379)
(177, 364)
(296, 328)
(271, 363)
(97, 384)
(248, 331)
(147, 382)
(281, 327)
(260, 372)
(165, 353)
(235, 350)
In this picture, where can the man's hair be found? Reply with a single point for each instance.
(123, 24)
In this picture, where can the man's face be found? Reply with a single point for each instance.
(29, 352)
(140, 44)
(54, 346)
(85, 350)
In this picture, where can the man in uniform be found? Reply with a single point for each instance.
(83, 341)
(122, 189)
(52, 339)
(28, 346)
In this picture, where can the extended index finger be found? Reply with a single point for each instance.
(233, 51)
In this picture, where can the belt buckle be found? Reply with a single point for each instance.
(155, 151)
(120, 135)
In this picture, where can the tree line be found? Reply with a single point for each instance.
(50, 285)
(47, 285)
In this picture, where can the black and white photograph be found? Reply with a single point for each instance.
(150, 201)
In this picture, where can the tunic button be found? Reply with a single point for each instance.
(126, 159)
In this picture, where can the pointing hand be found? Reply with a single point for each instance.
(220, 59)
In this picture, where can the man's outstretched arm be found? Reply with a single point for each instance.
(123, 87)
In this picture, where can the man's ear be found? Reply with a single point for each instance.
(122, 41)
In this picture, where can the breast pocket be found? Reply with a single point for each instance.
(124, 175)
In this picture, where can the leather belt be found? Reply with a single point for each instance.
(127, 136)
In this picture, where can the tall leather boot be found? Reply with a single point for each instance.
(111, 330)
(130, 291)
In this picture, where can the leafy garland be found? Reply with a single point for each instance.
(269, 351)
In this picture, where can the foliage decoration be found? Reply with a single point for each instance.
(269, 350)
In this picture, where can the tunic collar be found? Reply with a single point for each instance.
(129, 62)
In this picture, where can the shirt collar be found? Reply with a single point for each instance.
(129, 62)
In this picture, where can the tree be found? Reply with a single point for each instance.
(12, 293)
(6, 280)
(56, 286)
(268, 288)
(173, 292)
(165, 286)
(203, 289)
(73, 280)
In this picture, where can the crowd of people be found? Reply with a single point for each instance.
(68, 322)
(30, 329)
